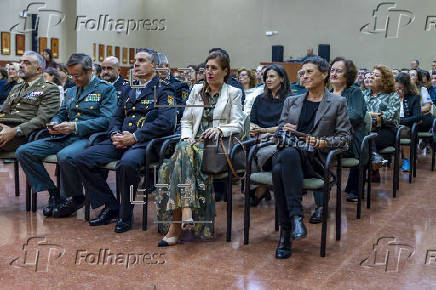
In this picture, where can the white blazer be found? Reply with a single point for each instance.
(227, 114)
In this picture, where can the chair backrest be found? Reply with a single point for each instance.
(246, 133)
(433, 110)
(368, 123)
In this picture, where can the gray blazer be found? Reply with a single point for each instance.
(331, 121)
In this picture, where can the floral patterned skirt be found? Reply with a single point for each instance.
(182, 184)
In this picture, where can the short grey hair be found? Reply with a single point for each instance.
(40, 61)
(114, 59)
(152, 54)
(80, 58)
(320, 62)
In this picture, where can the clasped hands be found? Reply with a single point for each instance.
(310, 140)
(123, 140)
(209, 133)
(255, 130)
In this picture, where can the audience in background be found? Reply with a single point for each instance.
(410, 110)
(432, 88)
(52, 75)
(13, 79)
(48, 57)
(383, 105)
(3, 82)
(414, 64)
(66, 82)
(96, 70)
(248, 80)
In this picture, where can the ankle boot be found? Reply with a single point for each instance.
(298, 228)
(283, 250)
(52, 203)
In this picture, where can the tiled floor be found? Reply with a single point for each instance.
(392, 246)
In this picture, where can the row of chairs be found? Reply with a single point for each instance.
(160, 148)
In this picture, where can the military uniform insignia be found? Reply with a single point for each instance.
(184, 95)
(33, 96)
(146, 102)
(170, 100)
(93, 98)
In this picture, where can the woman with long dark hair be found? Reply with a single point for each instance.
(47, 54)
(410, 110)
(264, 117)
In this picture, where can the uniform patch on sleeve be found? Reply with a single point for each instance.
(184, 95)
(170, 100)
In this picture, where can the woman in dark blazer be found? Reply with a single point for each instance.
(410, 110)
(342, 75)
(321, 115)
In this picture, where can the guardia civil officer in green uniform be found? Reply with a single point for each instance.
(87, 109)
(136, 121)
(30, 104)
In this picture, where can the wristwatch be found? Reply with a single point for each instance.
(19, 132)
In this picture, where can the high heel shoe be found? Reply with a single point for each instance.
(171, 241)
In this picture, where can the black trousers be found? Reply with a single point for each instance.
(385, 138)
(94, 179)
(287, 177)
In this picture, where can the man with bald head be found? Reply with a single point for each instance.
(110, 72)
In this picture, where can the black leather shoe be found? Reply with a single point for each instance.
(67, 208)
(52, 203)
(352, 197)
(316, 216)
(105, 217)
(283, 250)
(123, 225)
(298, 228)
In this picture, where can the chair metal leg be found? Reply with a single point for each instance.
(360, 190)
(28, 195)
(229, 206)
(415, 157)
(34, 200)
(396, 173)
(433, 147)
(87, 210)
(338, 199)
(368, 188)
(117, 188)
(17, 177)
(412, 160)
(246, 210)
(145, 204)
(324, 218)
(276, 217)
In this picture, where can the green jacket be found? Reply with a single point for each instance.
(31, 108)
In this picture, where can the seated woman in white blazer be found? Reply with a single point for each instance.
(213, 109)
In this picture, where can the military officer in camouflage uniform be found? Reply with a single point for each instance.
(29, 105)
(110, 72)
(87, 109)
(136, 122)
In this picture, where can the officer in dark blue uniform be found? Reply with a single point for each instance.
(87, 109)
(181, 89)
(136, 122)
(110, 72)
